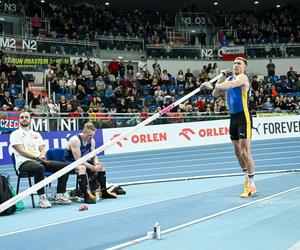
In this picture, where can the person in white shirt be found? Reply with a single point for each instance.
(29, 150)
(48, 73)
(143, 64)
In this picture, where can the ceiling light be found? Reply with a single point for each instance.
(216, 3)
(256, 2)
(107, 3)
(278, 6)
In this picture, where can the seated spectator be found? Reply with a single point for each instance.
(71, 85)
(114, 67)
(180, 77)
(224, 42)
(81, 95)
(90, 85)
(159, 95)
(6, 100)
(62, 85)
(290, 105)
(100, 82)
(95, 104)
(132, 104)
(13, 90)
(5, 108)
(188, 75)
(74, 102)
(43, 108)
(86, 73)
(165, 77)
(53, 108)
(292, 74)
(48, 73)
(189, 86)
(268, 105)
(176, 117)
(274, 91)
(63, 104)
(19, 102)
(143, 114)
(109, 94)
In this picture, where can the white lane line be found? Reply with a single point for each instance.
(199, 177)
(114, 211)
(153, 156)
(211, 169)
(225, 146)
(203, 159)
(172, 229)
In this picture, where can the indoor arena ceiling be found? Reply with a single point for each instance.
(199, 6)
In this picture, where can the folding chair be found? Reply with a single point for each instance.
(27, 175)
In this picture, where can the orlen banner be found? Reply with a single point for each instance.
(52, 140)
(198, 133)
(169, 136)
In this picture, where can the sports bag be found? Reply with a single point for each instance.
(6, 194)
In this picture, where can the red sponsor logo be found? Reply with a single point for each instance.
(204, 132)
(186, 132)
(144, 138)
(118, 143)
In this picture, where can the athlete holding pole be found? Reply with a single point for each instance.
(237, 90)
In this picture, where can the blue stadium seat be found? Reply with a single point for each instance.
(69, 96)
(146, 89)
(149, 99)
(153, 108)
(275, 78)
(57, 97)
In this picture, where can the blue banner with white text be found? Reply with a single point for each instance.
(52, 140)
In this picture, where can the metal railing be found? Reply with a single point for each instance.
(215, 52)
(67, 121)
(60, 47)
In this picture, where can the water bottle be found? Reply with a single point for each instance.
(157, 231)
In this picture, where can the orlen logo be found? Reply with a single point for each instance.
(119, 143)
(144, 138)
(204, 132)
(186, 132)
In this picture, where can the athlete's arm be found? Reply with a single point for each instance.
(75, 148)
(218, 92)
(240, 80)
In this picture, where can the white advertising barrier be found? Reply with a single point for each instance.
(276, 127)
(197, 134)
(169, 136)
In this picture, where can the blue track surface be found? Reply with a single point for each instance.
(113, 222)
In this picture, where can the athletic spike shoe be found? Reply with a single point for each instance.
(252, 188)
(92, 196)
(108, 195)
(247, 191)
(88, 200)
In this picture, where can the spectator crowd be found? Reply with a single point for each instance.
(83, 88)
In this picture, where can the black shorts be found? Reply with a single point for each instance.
(240, 126)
